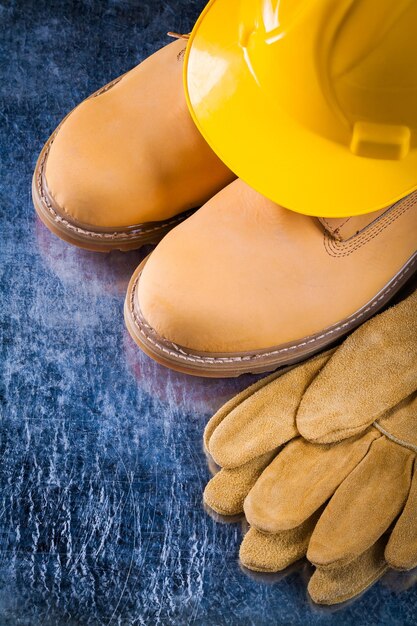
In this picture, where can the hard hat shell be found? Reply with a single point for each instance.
(312, 102)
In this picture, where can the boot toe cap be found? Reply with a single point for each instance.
(201, 300)
(93, 176)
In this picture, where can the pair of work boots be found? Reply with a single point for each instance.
(239, 285)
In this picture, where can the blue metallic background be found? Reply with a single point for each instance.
(101, 461)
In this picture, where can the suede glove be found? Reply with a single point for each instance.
(325, 399)
(271, 553)
(368, 484)
(245, 437)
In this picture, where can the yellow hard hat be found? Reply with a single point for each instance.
(312, 102)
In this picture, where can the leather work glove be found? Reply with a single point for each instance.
(276, 552)
(367, 485)
(330, 398)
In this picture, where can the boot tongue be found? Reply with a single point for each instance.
(345, 227)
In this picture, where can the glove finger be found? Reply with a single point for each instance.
(227, 490)
(240, 398)
(401, 551)
(262, 552)
(364, 506)
(234, 402)
(332, 586)
(301, 478)
(263, 420)
(381, 355)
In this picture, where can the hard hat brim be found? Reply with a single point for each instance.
(265, 146)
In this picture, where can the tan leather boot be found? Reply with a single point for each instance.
(245, 285)
(128, 163)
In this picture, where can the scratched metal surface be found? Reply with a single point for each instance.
(101, 463)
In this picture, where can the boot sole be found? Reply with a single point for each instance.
(84, 235)
(229, 365)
